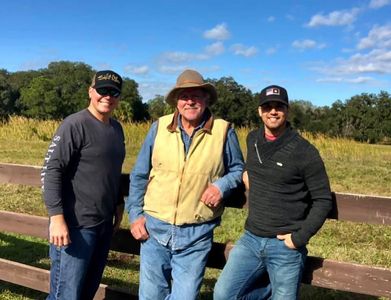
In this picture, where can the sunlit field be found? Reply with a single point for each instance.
(352, 167)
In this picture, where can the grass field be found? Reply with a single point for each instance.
(352, 168)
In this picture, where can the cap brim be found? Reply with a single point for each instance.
(273, 100)
(108, 85)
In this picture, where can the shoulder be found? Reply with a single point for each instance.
(73, 121)
(306, 151)
(116, 124)
(221, 125)
(165, 118)
(221, 122)
(305, 144)
(252, 135)
(77, 118)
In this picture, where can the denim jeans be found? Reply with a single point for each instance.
(76, 269)
(172, 274)
(252, 258)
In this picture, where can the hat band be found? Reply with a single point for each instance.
(189, 81)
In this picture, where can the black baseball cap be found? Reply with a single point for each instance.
(107, 79)
(273, 93)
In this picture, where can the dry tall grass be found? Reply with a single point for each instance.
(352, 167)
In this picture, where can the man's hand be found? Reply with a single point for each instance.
(58, 231)
(245, 180)
(287, 238)
(211, 196)
(118, 217)
(138, 229)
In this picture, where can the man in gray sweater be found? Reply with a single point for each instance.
(80, 182)
(289, 199)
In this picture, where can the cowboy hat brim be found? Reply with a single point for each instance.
(172, 96)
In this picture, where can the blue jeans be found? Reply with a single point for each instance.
(172, 274)
(76, 269)
(250, 260)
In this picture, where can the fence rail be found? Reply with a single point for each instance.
(319, 272)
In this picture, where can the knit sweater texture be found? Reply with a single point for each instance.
(289, 187)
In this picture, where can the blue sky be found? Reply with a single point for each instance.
(321, 51)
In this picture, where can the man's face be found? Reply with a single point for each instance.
(274, 115)
(191, 104)
(103, 104)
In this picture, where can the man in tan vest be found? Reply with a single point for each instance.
(189, 162)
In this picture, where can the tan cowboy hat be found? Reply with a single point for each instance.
(191, 79)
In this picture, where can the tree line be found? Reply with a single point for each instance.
(61, 89)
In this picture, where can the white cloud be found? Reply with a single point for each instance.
(378, 3)
(219, 32)
(181, 57)
(149, 90)
(138, 70)
(377, 61)
(378, 37)
(170, 69)
(271, 50)
(307, 44)
(335, 18)
(290, 17)
(215, 49)
(239, 49)
(271, 19)
(357, 80)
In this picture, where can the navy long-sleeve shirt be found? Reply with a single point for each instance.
(82, 170)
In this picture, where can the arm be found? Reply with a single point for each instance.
(120, 207)
(118, 216)
(233, 163)
(57, 159)
(138, 183)
(245, 180)
(58, 231)
(317, 182)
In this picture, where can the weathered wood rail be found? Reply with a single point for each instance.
(326, 273)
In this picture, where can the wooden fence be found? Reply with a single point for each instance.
(320, 272)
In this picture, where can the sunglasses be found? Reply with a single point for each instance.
(108, 92)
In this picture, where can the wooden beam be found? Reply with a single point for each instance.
(20, 174)
(25, 275)
(347, 207)
(24, 224)
(38, 279)
(361, 208)
(350, 277)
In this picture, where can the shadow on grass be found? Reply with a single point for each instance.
(309, 292)
(34, 252)
(207, 291)
(12, 291)
(29, 251)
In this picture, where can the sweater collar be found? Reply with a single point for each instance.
(269, 148)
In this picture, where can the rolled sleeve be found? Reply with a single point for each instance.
(139, 176)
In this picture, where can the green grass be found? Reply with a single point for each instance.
(352, 167)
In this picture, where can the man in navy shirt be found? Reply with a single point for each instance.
(80, 181)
